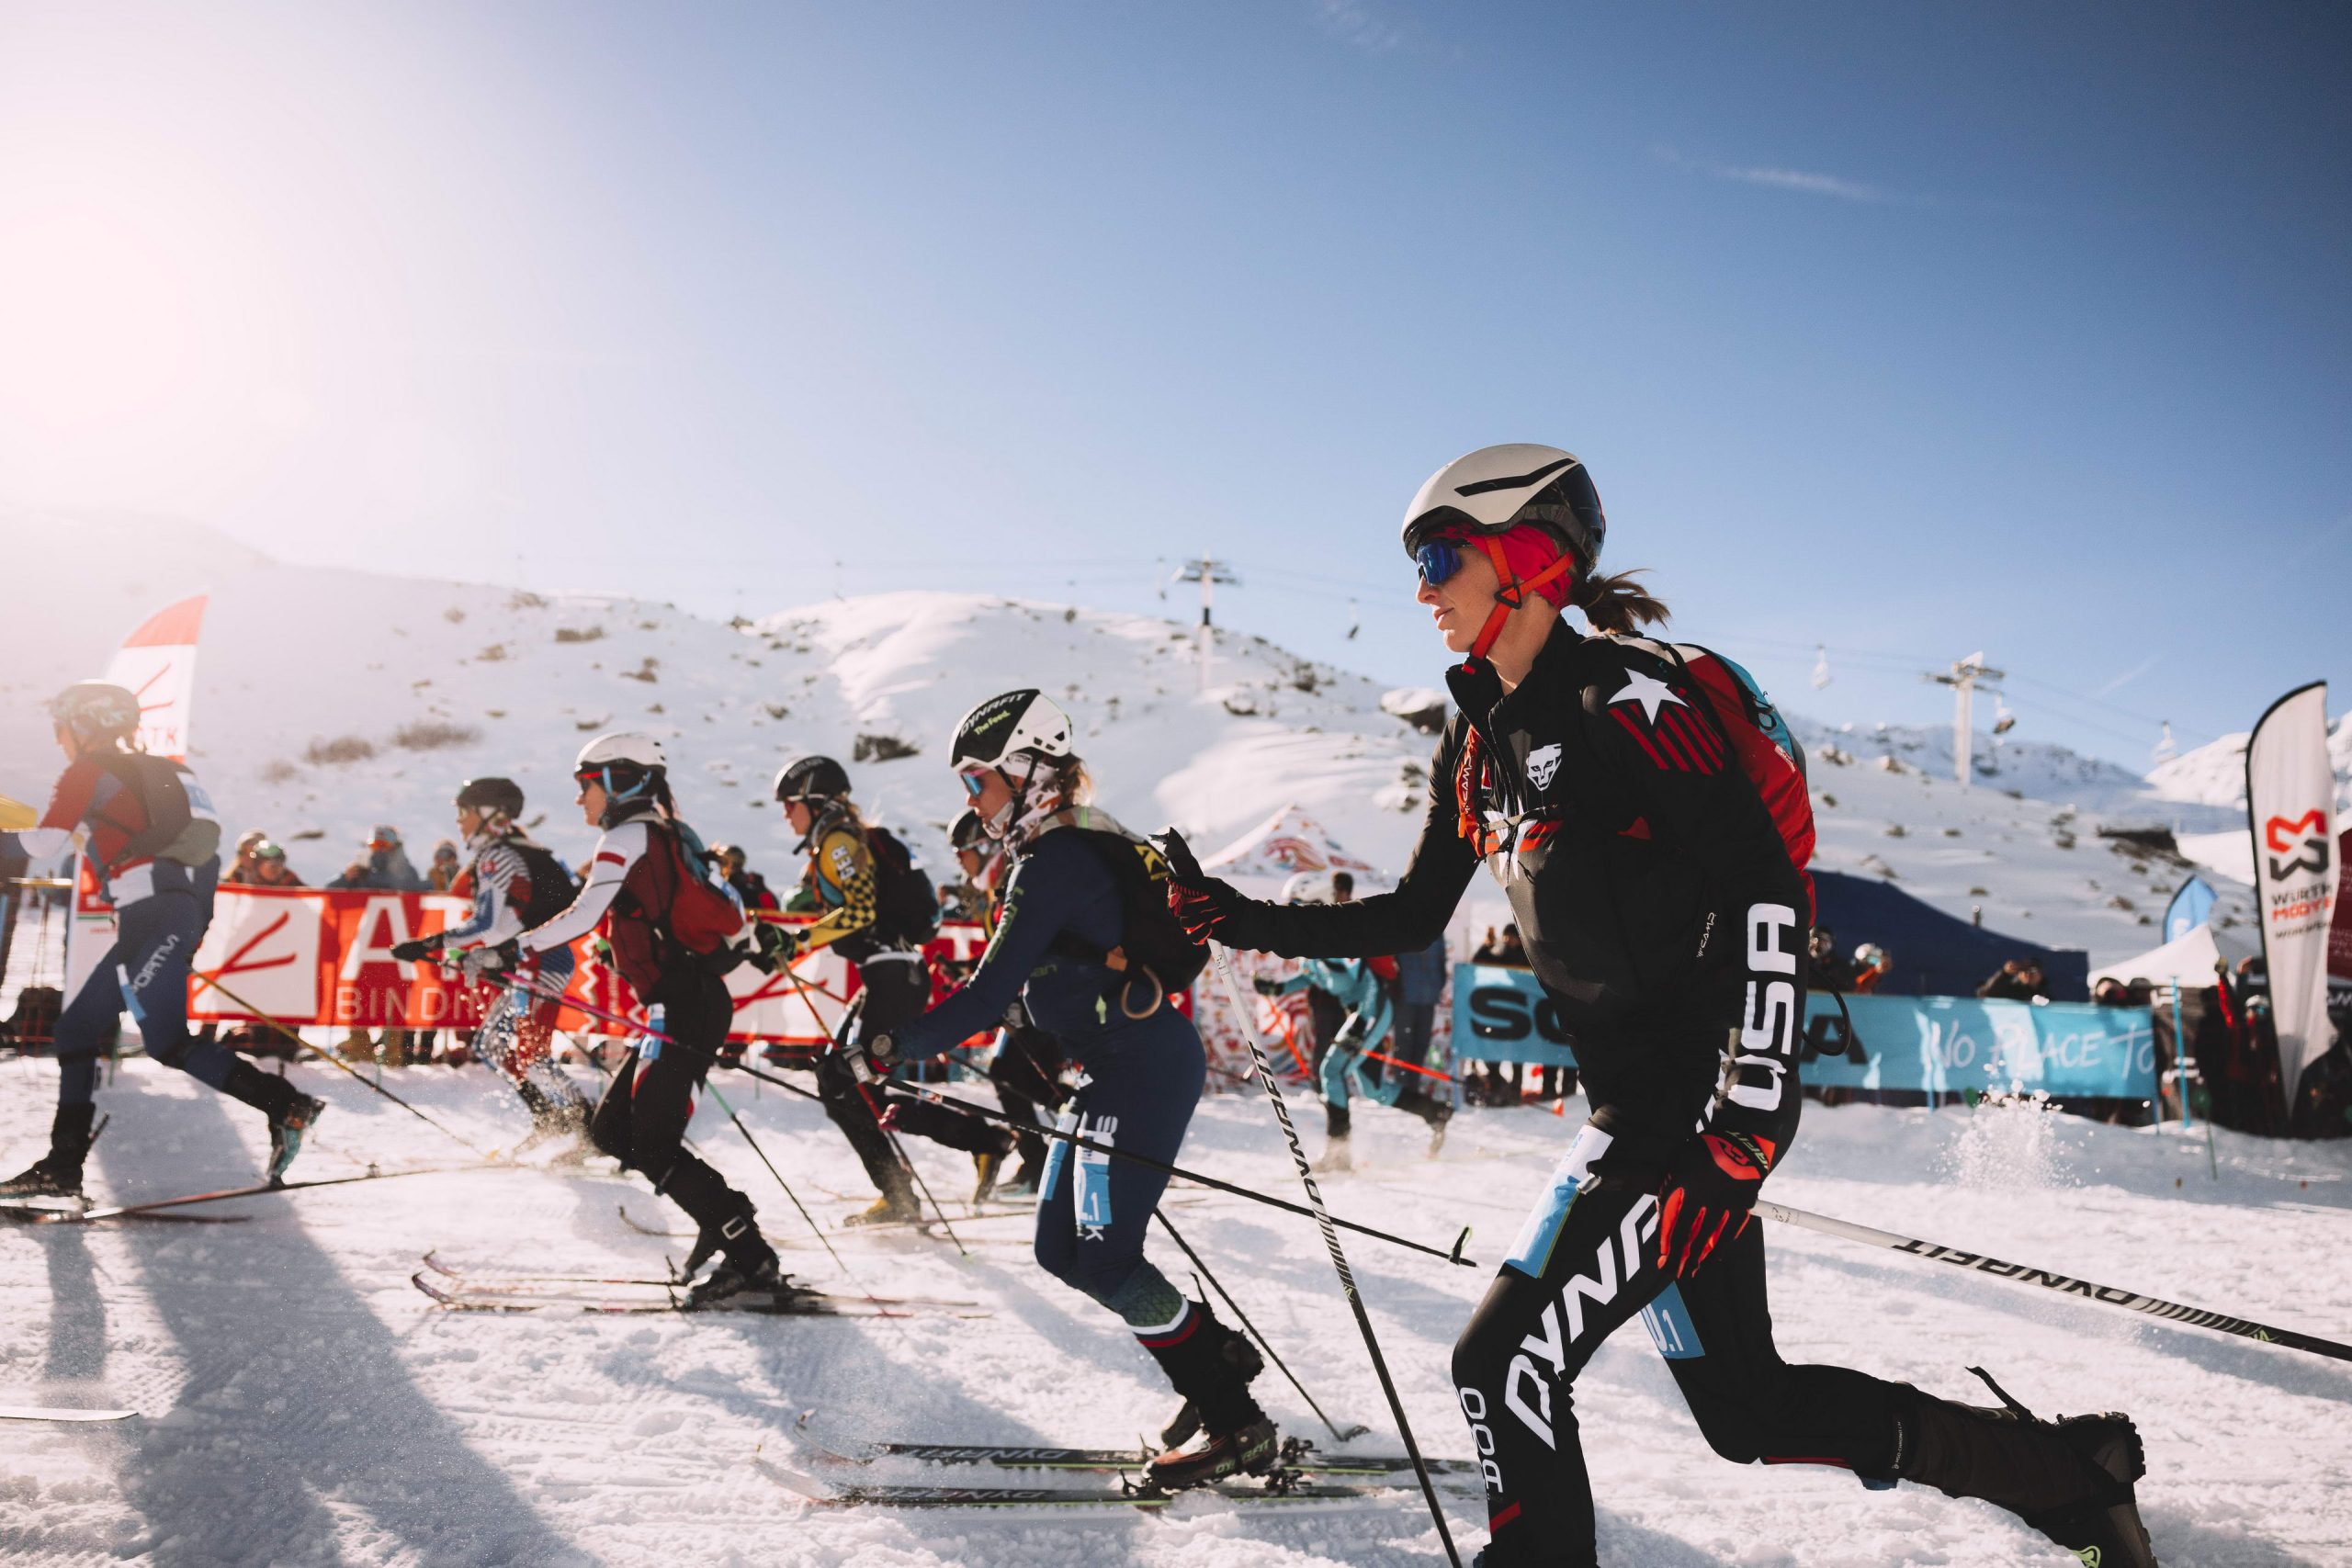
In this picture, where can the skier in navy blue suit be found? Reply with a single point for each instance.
(1060, 945)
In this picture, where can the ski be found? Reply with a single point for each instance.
(497, 1283)
(1296, 1454)
(44, 1413)
(467, 1298)
(49, 1215)
(151, 1208)
(1280, 1487)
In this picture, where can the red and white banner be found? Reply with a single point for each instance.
(311, 956)
(157, 665)
(2290, 809)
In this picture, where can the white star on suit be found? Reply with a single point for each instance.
(1648, 691)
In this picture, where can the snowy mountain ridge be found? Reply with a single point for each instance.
(329, 700)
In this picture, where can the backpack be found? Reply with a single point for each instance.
(180, 821)
(1768, 752)
(906, 909)
(703, 915)
(1153, 940)
(553, 887)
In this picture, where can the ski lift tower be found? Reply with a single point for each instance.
(1965, 678)
(1208, 572)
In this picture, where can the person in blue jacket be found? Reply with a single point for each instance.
(1058, 946)
(1359, 989)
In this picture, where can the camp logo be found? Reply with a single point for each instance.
(1543, 765)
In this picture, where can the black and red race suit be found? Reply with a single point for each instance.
(1668, 925)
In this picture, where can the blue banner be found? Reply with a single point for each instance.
(2189, 909)
(1933, 1044)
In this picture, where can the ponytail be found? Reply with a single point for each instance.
(1616, 604)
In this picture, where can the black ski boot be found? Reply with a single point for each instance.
(1211, 1366)
(57, 1174)
(2071, 1479)
(1240, 1352)
(987, 1164)
(290, 1112)
(722, 1233)
(748, 1268)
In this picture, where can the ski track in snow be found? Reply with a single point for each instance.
(302, 1403)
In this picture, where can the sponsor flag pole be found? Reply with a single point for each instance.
(2291, 810)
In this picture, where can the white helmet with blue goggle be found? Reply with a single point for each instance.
(625, 764)
(1492, 491)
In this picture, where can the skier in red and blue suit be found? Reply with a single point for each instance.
(155, 841)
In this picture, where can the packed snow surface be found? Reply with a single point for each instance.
(299, 1402)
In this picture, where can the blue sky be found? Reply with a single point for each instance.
(1908, 331)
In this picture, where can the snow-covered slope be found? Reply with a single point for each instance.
(2215, 773)
(328, 701)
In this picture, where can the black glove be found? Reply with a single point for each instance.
(1202, 904)
(1707, 1195)
(780, 945)
(872, 1062)
(1267, 986)
(412, 950)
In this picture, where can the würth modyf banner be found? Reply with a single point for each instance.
(2291, 806)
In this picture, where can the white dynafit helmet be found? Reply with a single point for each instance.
(1025, 723)
(1498, 488)
(1308, 887)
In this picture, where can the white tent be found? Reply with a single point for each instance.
(1285, 844)
(2186, 961)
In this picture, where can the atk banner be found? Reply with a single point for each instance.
(311, 956)
(1928, 1044)
(2291, 810)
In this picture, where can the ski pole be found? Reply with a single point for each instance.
(1453, 1255)
(841, 1033)
(1331, 1243)
(2154, 1306)
(1226, 1296)
(847, 1272)
(334, 1061)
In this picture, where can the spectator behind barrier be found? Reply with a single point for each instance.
(2019, 980)
(445, 867)
(384, 868)
(1872, 964)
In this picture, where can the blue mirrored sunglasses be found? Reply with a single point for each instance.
(1438, 560)
(975, 781)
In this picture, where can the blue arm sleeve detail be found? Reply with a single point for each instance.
(1048, 886)
(485, 913)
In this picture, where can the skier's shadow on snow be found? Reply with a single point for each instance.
(77, 1315)
(296, 1411)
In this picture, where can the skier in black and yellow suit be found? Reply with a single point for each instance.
(886, 944)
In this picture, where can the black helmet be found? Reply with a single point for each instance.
(811, 778)
(502, 795)
(969, 833)
(1025, 723)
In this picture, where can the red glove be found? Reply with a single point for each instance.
(1713, 1182)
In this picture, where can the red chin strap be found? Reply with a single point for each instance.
(1513, 593)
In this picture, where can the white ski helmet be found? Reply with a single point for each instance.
(1496, 487)
(639, 752)
(1308, 887)
(94, 710)
(1025, 723)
